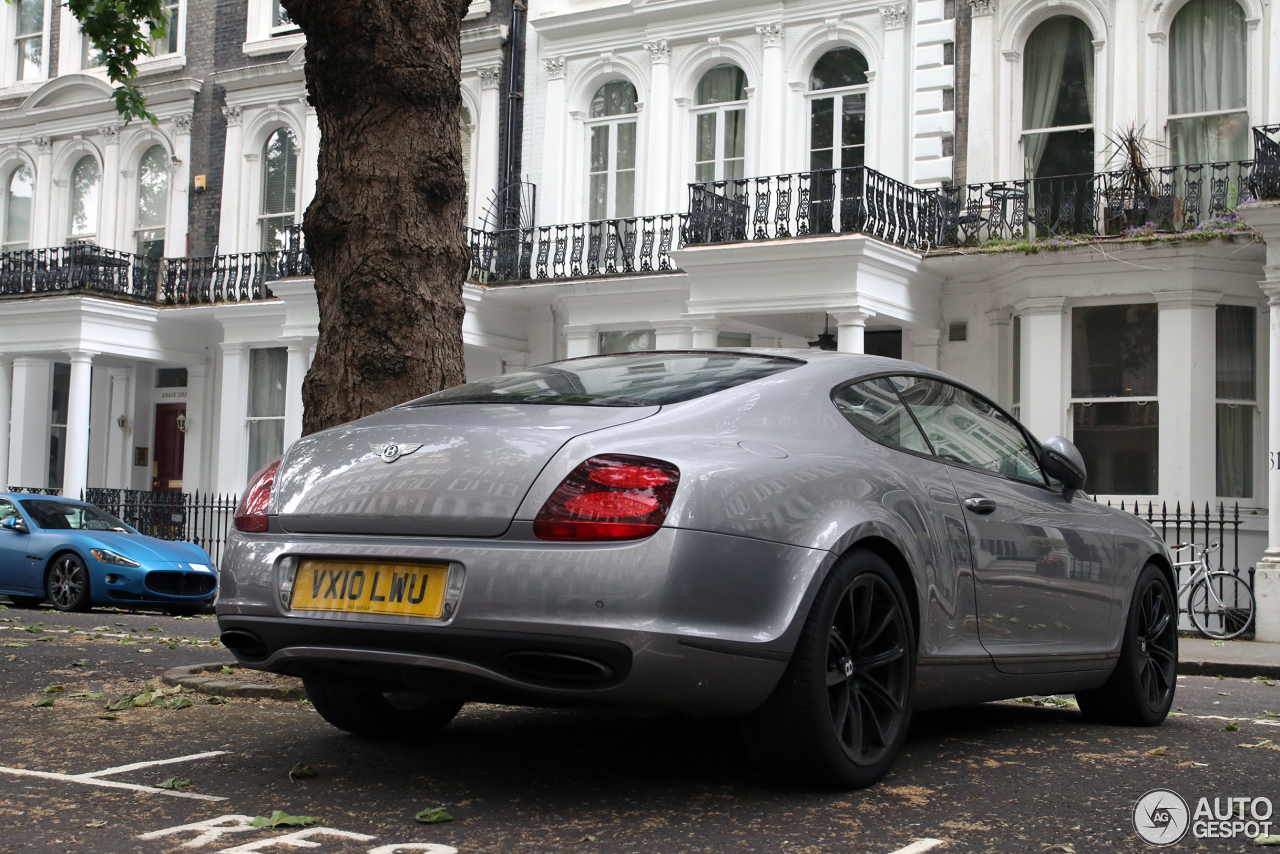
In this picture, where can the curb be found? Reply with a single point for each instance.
(190, 677)
(1232, 669)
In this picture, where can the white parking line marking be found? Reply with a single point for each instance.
(93, 778)
(921, 845)
(297, 839)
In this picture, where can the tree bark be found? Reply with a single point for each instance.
(385, 230)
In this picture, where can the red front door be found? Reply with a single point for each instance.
(170, 442)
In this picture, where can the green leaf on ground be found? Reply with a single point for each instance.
(43, 703)
(120, 704)
(84, 662)
(35, 630)
(180, 703)
(1219, 643)
(98, 823)
(12, 645)
(1159, 751)
(173, 783)
(280, 818)
(1266, 840)
(433, 815)
(1233, 726)
(92, 695)
(100, 629)
(108, 717)
(54, 689)
(301, 772)
(217, 701)
(226, 671)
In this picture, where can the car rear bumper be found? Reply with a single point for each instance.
(689, 621)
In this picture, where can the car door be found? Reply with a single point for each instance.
(925, 503)
(1043, 563)
(14, 564)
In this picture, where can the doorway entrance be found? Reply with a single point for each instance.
(166, 466)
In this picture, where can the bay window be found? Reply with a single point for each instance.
(1236, 394)
(720, 147)
(612, 167)
(1057, 99)
(1114, 406)
(1208, 83)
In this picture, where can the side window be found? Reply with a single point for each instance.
(966, 429)
(7, 509)
(874, 408)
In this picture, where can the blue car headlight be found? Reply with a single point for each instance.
(112, 558)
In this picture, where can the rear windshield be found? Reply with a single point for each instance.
(627, 379)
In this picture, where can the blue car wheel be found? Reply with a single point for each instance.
(68, 583)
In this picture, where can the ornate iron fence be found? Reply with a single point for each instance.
(803, 204)
(1264, 179)
(603, 247)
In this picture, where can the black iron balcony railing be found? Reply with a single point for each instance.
(603, 247)
(84, 267)
(1265, 177)
(1165, 199)
(821, 201)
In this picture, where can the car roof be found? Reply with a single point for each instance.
(22, 495)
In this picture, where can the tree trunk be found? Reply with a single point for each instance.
(385, 230)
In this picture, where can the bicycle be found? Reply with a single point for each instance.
(1219, 602)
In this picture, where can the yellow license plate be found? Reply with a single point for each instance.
(407, 589)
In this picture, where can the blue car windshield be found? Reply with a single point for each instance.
(625, 379)
(69, 516)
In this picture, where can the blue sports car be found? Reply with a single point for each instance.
(75, 555)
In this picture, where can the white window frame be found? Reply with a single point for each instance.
(249, 420)
(6, 179)
(135, 195)
(720, 109)
(837, 147)
(611, 167)
(263, 37)
(261, 164)
(1258, 451)
(9, 78)
(74, 50)
(95, 236)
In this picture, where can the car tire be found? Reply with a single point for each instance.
(66, 583)
(183, 610)
(25, 601)
(1140, 690)
(840, 715)
(403, 716)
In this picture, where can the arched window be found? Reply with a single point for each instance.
(611, 172)
(17, 209)
(279, 189)
(153, 202)
(1208, 83)
(86, 186)
(720, 152)
(1057, 99)
(838, 110)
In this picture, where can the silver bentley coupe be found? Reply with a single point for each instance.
(816, 544)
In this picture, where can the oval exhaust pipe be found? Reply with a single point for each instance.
(558, 667)
(243, 643)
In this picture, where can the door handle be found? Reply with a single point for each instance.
(979, 505)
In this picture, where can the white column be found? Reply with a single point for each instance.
(892, 156)
(981, 164)
(772, 89)
(553, 146)
(851, 330)
(234, 401)
(175, 234)
(42, 205)
(299, 352)
(310, 159)
(657, 178)
(229, 222)
(486, 168)
(1187, 388)
(580, 340)
(114, 228)
(6, 408)
(673, 336)
(193, 474)
(32, 403)
(1264, 217)
(1003, 375)
(924, 346)
(705, 337)
(75, 475)
(1044, 365)
(119, 439)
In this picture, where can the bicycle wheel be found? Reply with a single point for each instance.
(1221, 605)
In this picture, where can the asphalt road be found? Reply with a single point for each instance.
(993, 778)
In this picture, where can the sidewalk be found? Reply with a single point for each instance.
(1241, 658)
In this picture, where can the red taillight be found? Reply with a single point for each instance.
(610, 497)
(251, 512)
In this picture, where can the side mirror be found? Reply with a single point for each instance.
(1061, 460)
(14, 523)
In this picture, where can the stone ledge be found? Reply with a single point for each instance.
(189, 677)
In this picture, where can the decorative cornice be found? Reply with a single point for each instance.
(556, 66)
(982, 7)
(43, 144)
(491, 77)
(770, 33)
(233, 115)
(895, 16)
(182, 123)
(659, 52)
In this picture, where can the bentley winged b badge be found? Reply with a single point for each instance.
(391, 452)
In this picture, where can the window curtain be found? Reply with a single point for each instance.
(1235, 450)
(1236, 330)
(1208, 52)
(722, 84)
(1045, 55)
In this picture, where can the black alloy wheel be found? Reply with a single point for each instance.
(867, 669)
(67, 583)
(1139, 692)
(840, 713)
